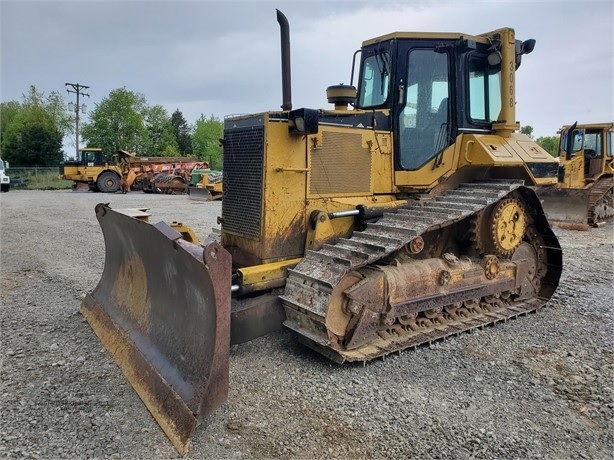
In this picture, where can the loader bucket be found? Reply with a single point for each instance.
(565, 208)
(162, 311)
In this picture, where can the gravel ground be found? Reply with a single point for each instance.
(536, 387)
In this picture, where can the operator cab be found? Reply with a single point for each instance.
(87, 157)
(435, 86)
(91, 157)
(591, 142)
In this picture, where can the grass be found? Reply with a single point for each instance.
(43, 180)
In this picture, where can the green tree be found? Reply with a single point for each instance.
(118, 122)
(32, 139)
(37, 115)
(550, 144)
(170, 150)
(181, 130)
(206, 140)
(54, 104)
(162, 140)
(528, 130)
(8, 112)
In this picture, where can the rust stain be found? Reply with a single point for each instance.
(129, 292)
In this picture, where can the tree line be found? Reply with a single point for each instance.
(33, 129)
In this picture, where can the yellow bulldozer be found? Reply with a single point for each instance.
(206, 185)
(583, 196)
(403, 215)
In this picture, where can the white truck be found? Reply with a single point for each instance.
(5, 181)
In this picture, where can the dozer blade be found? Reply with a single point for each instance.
(199, 193)
(162, 311)
(565, 208)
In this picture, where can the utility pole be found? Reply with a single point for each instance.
(78, 90)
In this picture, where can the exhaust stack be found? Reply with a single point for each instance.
(286, 86)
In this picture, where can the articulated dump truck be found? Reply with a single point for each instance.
(584, 193)
(404, 215)
(91, 172)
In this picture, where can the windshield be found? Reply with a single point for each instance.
(1, 165)
(375, 80)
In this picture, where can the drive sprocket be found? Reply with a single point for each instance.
(500, 229)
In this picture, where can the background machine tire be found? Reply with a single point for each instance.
(108, 182)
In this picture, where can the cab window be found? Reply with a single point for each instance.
(592, 144)
(578, 141)
(375, 80)
(484, 91)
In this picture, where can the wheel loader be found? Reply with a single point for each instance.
(583, 196)
(403, 215)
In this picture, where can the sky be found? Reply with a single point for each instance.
(223, 57)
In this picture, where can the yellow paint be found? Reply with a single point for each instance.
(186, 232)
(266, 272)
(342, 167)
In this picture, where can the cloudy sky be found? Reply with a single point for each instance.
(221, 58)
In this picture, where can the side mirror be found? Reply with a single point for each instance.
(494, 58)
(528, 46)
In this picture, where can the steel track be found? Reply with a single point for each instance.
(309, 285)
(597, 192)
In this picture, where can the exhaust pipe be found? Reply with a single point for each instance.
(285, 61)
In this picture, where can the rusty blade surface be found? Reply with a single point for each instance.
(162, 311)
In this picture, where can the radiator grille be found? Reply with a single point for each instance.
(242, 195)
(340, 166)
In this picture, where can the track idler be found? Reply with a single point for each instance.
(162, 311)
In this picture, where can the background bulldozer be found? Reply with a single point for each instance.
(405, 214)
(583, 196)
(206, 185)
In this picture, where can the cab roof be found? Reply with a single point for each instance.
(607, 125)
(427, 36)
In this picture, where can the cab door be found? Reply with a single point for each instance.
(423, 116)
